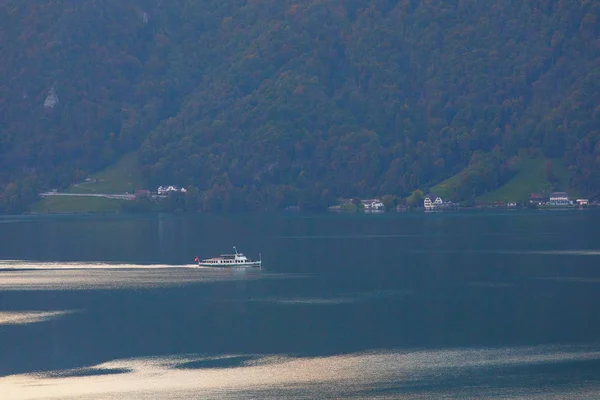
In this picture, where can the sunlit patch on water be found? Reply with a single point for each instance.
(24, 275)
(454, 373)
(30, 317)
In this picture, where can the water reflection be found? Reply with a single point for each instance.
(451, 373)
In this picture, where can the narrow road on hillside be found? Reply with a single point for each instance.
(106, 195)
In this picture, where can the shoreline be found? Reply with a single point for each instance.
(306, 212)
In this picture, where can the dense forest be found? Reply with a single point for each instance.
(263, 104)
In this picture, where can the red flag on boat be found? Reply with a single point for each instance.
(196, 259)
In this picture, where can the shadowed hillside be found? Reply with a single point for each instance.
(263, 104)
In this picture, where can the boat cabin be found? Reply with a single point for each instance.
(230, 259)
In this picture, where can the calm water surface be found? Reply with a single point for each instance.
(442, 305)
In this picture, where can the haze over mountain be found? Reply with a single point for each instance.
(278, 102)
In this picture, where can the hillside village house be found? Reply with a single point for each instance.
(372, 204)
(559, 199)
(162, 190)
(431, 205)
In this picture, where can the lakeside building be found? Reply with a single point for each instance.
(167, 189)
(372, 204)
(433, 205)
(559, 199)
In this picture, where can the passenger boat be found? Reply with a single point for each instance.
(229, 260)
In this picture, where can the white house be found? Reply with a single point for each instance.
(559, 199)
(167, 189)
(372, 204)
(427, 203)
(432, 205)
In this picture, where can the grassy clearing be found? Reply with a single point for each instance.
(446, 188)
(531, 178)
(123, 176)
(68, 204)
(118, 178)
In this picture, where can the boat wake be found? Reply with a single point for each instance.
(77, 265)
(39, 275)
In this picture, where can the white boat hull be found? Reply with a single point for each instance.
(254, 264)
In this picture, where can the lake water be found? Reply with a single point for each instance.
(400, 305)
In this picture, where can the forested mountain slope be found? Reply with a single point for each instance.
(274, 102)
